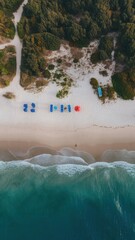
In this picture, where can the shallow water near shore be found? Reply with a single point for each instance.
(66, 201)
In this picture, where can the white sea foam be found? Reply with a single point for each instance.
(70, 169)
(118, 155)
(70, 165)
(118, 206)
(48, 160)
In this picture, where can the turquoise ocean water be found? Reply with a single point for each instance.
(67, 202)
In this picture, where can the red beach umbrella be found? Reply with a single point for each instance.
(77, 108)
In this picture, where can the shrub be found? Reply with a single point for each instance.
(7, 28)
(94, 83)
(41, 83)
(11, 64)
(4, 71)
(120, 58)
(51, 67)
(58, 75)
(1, 54)
(123, 86)
(59, 60)
(62, 93)
(110, 92)
(26, 80)
(7, 82)
(20, 30)
(9, 95)
(51, 42)
(47, 74)
(103, 73)
(42, 64)
(103, 55)
(76, 60)
(98, 56)
(106, 44)
(95, 58)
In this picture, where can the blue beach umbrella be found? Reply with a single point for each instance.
(62, 108)
(33, 105)
(51, 107)
(69, 108)
(25, 107)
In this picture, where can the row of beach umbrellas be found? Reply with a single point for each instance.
(52, 108)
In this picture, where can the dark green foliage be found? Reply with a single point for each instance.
(93, 31)
(32, 61)
(42, 64)
(95, 57)
(30, 57)
(94, 83)
(23, 27)
(45, 23)
(76, 21)
(7, 61)
(10, 6)
(104, 50)
(107, 93)
(123, 85)
(62, 93)
(103, 55)
(75, 32)
(57, 75)
(76, 60)
(47, 74)
(51, 67)
(110, 92)
(98, 56)
(11, 64)
(103, 73)
(119, 57)
(7, 28)
(51, 42)
(59, 60)
(127, 42)
(106, 45)
(7, 65)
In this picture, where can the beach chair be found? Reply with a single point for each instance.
(33, 105)
(32, 110)
(100, 94)
(69, 108)
(25, 107)
(51, 107)
(25, 110)
(62, 108)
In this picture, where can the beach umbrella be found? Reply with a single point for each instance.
(77, 108)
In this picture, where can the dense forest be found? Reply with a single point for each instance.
(10, 6)
(7, 65)
(7, 8)
(7, 29)
(46, 22)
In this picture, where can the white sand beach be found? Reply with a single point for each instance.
(95, 128)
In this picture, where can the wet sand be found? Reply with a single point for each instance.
(20, 142)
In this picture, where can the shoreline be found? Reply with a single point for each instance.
(93, 140)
